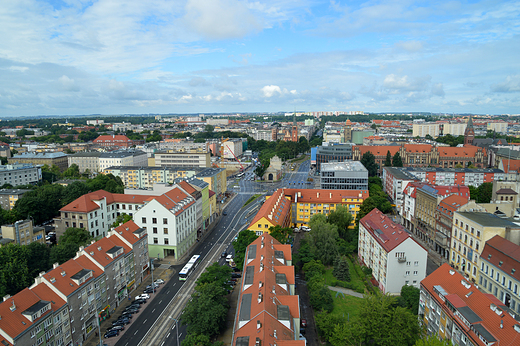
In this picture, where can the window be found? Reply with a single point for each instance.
(408, 264)
(166, 241)
(156, 240)
(143, 220)
(154, 220)
(165, 230)
(415, 272)
(416, 263)
(407, 273)
(154, 230)
(165, 221)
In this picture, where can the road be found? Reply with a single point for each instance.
(146, 325)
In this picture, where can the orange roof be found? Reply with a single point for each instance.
(275, 204)
(511, 165)
(172, 199)
(60, 277)
(86, 203)
(387, 233)
(488, 314)
(187, 187)
(110, 138)
(379, 150)
(466, 151)
(502, 254)
(452, 203)
(127, 230)
(324, 196)
(98, 250)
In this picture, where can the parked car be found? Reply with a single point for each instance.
(296, 230)
(120, 328)
(236, 275)
(133, 310)
(235, 269)
(133, 306)
(303, 323)
(126, 320)
(121, 322)
(302, 330)
(139, 301)
(111, 333)
(224, 213)
(154, 285)
(126, 315)
(159, 281)
(224, 254)
(142, 296)
(150, 290)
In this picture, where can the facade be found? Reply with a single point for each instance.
(145, 177)
(231, 149)
(20, 174)
(334, 134)
(499, 127)
(350, 175)
(217, 180)
(23, 232)
(276, 211)
(268, 311)
(358, 136)
(395, 181)
(425, 129)
(444, 221)
(265, 134)
(407, 210)
(86, 160)
(179, 144)
(457, 310)
(120, 141)
(171, 223)
(469, 133)
(122, 158)
(274, 171)
(470, 231)
(8, 197)
(333, 152)
(454, 129)
(497, 273)
(188, 158)
(307, 202)
(395, 258)
(52, 158)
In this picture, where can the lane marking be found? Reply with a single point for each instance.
(153, 311)
(145, 321)
(167, 336)
(136, 331)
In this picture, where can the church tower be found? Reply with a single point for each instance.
(347, 133)
(469, 133)
(294, 130)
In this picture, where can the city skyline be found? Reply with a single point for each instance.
(223, 56)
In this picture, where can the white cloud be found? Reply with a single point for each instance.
(510, 85)
(270, 90)
(410, 46)
(18, 68)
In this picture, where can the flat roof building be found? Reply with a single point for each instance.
(349, 175)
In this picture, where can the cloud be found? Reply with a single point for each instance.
(18, 68)
(438, 90)
(398, 84)
(270, 90)
(68, 84)
(510, 85)
(410, 46)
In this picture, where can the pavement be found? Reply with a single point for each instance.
(227, 335)
(346, 291)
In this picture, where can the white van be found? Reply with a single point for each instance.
(229, 258)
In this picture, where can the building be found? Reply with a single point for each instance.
(454, 129)
(46, 158)
(180, 144)
(122, 158)
(268, 311)
(426, 129)
(86, 160)
(470, 231)
(188, 158)
(276, 211)
(146, 177)
(332, 152)
(395, 181)
(407, 210)
(8, 197)
(5, 150)
(395, 258)
(457, 310)
(171, 222)
(23, 232)
(469, 133)
(358, 136)
(349, 175)
(499, 127)
(217, 180)
(274, 171)
(120, 141)
(20, 174)
(307, 202)
(231, 149)
(334, 134)
(497, 273)
(265, 134)
(444, 221)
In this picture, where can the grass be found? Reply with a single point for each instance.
(346, 306)
(354, 274)
(251, 199)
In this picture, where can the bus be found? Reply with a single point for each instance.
(189, 267)
(240, 175)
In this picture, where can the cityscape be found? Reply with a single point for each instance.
(244, 173)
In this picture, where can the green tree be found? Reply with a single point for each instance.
(410, 296)
(38, 258)
(61, 253)
(326, 323)
(304, 254)
(215, 273)
(244, 238)
(397, 161)
(209, 128)
(72, 171)
(74, 191)
(341, 270)
(74, 235)
(280, 233)
(369, 161)
(199, 340)
(388, 161)
(433, 340)
(485, 192)
(14, 271)
(323, 239)
(121, 219)
(313, 268)
(342, 218)
(155, 137)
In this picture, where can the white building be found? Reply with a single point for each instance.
(421, 130)
(499, 127)
(395, 258)
(232, 148)
(171, 223)
(20, 174)
(454, 129)
(121, 158)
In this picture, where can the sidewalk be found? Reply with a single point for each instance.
(346, 291)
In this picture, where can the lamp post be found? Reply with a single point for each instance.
(176, 328)
(151, 268)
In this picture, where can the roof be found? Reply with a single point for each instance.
(130, 231)
(87, 154)
(343, 166)
(384, 149)
(484, 312)
(506, 192)
(324, 196)
(487, 219)
(275, 209)
(460, 152)
(387, 233)
(452, 203)
(510, 165)
(86, 203)
(43, 155)
(503, 254)
(111, 138)
(443, 190)
(209, 172)
(121, 153)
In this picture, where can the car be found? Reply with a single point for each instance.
(159, 281)
(139, 301)
(121, 322)
(236, 275)
(111, 333)
(224, 254)
(303, 323)
(120, 328)
(132, 308)
(235, 269)
(150, 290)
(296, 230)
(142, 296)
(125, 314)
(154, 285)
(224, 213)
(302, 330)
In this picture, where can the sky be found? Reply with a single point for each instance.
(73, 57)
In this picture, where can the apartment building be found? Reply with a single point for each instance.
(217, 180)
(497, 273)
(171, 222)
(407, 210)
(350, 175)
(121, 158)
(58, 159)
(444, 221)
(20, 174)
(395, 182)
(276, 211)
(8, 197)
(268, 311)
(426, 129)
(86, 160)
(470, 231)
(498, 127)
(454, 129)
(232, 148)
(188, 158)
(23, 232)
(119, 141)
(395, 258)
(331, 152)
(457, 310)
(264, 134)
(145, 177)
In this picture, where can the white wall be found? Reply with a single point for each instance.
(396, 271)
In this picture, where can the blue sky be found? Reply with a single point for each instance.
(201, 56)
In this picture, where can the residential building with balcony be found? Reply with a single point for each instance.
(395, 258)
(457, 310)
(145, 177)
(217, 180)
(118, 141)
(394, 182)
(23, 232)
(444, 221)
(122, 158)
(470, 231)
(349, 175)
(20, 174)
(8, 197)
(408, 205)
(268, 311)
(86, 160)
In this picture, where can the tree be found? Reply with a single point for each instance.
(244, 238)
(369, 161)
(485, 192)
(397, 161)
(304, 254)
(410, 296)
(72, 171)
(61, 253)
(323, 239)
(388, 161)
(433, 340)
(74, 191)
(342, 218)
(121, 219)
(280, 233)
(38, 259)
(74, 235)
(209, 128)
(341, 270)
(199, 340)
(215, 273)
(14, 272)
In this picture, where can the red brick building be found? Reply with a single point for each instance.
(114, 141)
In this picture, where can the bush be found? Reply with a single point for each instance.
(367, 271)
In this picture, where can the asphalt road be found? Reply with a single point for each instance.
(220, 240)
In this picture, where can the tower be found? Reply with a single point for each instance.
(294, 130)
(347, 133)
(469, 133)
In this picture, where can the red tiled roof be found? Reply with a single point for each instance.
(60, 277)
(274, 204)
(452, 203)
(499, 325)
(127, 230)
(98, 250)
(325, 196)
(390, 235)
(498, 249)
(510, 165)
(466, 151)
(86, 204)
(187, 187)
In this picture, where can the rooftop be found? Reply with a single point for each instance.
(487, 219)
(343, 166)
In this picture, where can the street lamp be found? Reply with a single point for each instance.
(151, 268)
(176, 328)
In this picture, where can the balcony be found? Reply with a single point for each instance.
(401, 259)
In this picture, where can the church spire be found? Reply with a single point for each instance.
(469, 133)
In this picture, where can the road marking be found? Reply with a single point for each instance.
(160, 301)
(136, 331)
(145, 321)
(167, 336)
(180, 335)
(168, 292)
(153, 311)
(162, 343)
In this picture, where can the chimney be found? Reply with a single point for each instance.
(55, 265)
(317, 195)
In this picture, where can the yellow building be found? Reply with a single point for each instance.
(276, 211)
(23, 232)
(470, 231)
(216, 178)
(146, 177)
(317, 201)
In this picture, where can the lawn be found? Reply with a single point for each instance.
(346, 306)
(354, 276)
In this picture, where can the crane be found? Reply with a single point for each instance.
(231, 151)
